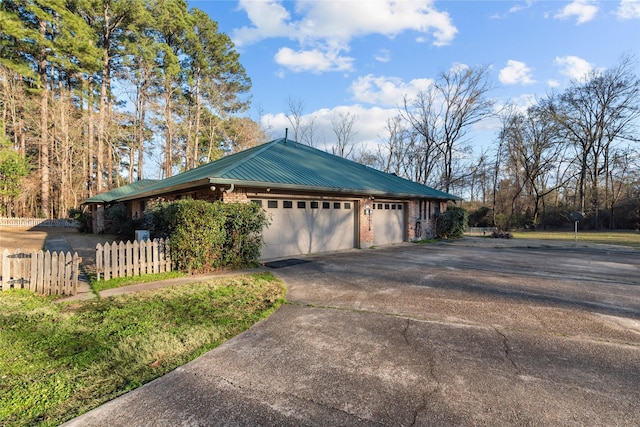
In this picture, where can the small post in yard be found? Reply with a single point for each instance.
(576, 217)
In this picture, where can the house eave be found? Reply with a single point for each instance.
(327, 190)
(280, 186)
(166, 190)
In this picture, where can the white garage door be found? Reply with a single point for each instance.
(388, 223)
(306, 226)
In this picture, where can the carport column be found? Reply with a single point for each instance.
(365, 223)
(414, 222)
(98, 219)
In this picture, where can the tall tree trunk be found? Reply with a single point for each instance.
(141, 143)
(44, 125)
(107, 139)
(196, 131)
(102, 114)
(168, 160)
(90, 139)
(106, 69)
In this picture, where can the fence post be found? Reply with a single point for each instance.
(6, 272)
(55, 275)
(99, 261)
(107, 261)
(75, 272)
(121, 259)
(33, 278)
(46, 279)
(136, 258)
(144, 259)
(15, 269)
(129, 258)
(161, 256)
(40, 278)
(154, 254)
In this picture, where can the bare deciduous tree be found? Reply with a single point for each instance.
(342, 125)
(593, 114)
(296, 111)
(444, 113)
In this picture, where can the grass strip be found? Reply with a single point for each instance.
(58, 361)
(102, 285)
(620, 238)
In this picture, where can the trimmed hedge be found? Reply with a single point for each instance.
(208, 236)
(452, 223)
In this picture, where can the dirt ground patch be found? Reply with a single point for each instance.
(19, 238)
(34, 239)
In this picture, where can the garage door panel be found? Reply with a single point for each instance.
(304, 230)
(388, 223)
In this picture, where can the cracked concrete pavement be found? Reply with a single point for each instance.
(460, 333)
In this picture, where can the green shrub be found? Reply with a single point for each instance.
(481, 217)
(118, 222)
(244, 224)
(208, 236)
(452, 223)
(84, 220)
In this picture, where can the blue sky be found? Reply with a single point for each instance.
(364, 56)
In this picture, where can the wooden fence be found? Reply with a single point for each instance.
(46, 273)
(132, 259)
(36, 222)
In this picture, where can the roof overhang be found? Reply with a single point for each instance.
(280, 186)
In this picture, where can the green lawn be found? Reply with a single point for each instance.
(103, 285)
(58, 360)
(623, 238)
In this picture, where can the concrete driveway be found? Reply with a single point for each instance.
(460, 333)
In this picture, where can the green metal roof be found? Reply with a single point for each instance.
(119, 192)
(286, 164)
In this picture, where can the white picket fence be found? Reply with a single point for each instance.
(36, 222)
(132, 258)
(46, 273)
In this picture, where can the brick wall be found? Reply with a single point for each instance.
(364, 221)
(422, 221)
(137, 209)
(414, 222)
(239, 195)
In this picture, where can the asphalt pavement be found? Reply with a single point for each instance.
(465, 333)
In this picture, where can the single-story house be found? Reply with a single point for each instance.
(317, 202)
(99, 201)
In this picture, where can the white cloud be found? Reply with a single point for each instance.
(343, 20)
(524, 101)
(514, 9)
(516, 72)
(315, 60)
(329, 26)
(583, 10)
(629, 9)
(553, 83)
(383, 55)
(269, 19)
(387, 91)
(368, 130)
(573, 67)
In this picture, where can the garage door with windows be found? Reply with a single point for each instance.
(307, 226)
(388, 220)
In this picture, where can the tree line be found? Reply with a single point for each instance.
(88, 88)
(572, 151)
